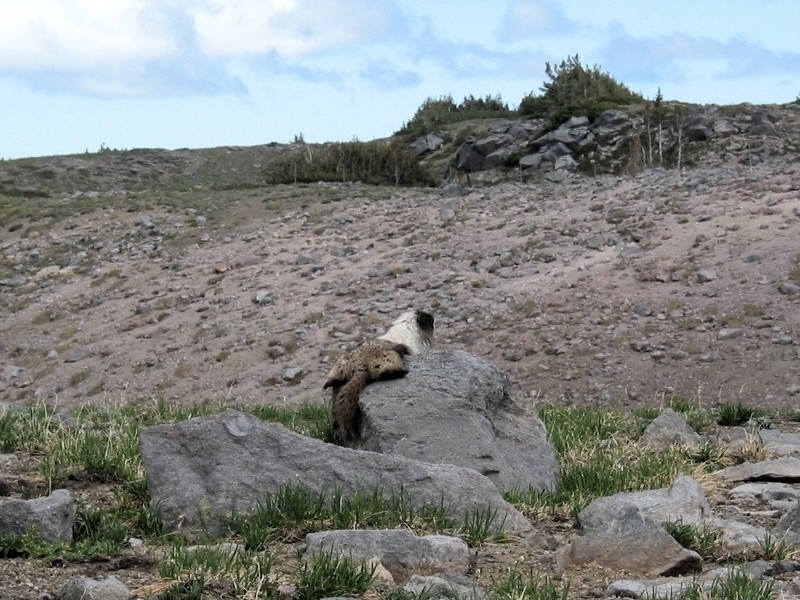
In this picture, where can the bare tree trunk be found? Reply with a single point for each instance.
(634, 152)
(679, 126)
(660, 145)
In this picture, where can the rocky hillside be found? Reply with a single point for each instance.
(150, 273)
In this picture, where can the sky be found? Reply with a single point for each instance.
(80, 75)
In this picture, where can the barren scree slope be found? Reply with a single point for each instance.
(618, 290)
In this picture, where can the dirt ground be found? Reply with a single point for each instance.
(614, 290)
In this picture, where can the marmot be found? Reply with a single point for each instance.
(381, 358)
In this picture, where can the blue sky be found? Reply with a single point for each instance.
(78, 74)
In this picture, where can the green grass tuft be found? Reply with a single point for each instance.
(700, 538)
(734, 415)
(200, 568)
(529, 587)
(329, 575)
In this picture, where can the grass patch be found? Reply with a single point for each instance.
(600, 457)
(737, 585)
(597, 449)
(78, 378)
(517, 586)
(295, 510)
(183, 370)
(774, 547)
(700, 538)
(103, 443)
(114, 277)
(43, 317)
(67, 333)
(753, 310)
(794, 274)
(199, 570)
(328, 575)
(734, 415)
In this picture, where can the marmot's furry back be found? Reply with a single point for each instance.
(382, 358)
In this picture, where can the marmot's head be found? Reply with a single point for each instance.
(424, 321)
(414, 329)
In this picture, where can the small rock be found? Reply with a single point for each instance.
(629, 250)
(76, 355)
(451, 190)
(447, 213)
(12, 372)
(276, 351)
(292, 374)
(788, 288)
(53, 516)
(263, 297)
(557, 176)
(729, 333)
(83, 588)
(706, 275)
(444, 585)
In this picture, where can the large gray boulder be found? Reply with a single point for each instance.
(698, 128)
(762, 126)
(468, 159)
(52, 516)
(624, 531)
(492, 143)
(670, 428)
(785, 469)
(630, 542)
(83, 588)
(684, 502)
(455, 408)
(780, 443)
(736, 538)
(789, 524)
(204, 469)
(425, 144)
(611, 123)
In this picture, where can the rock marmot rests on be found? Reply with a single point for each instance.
(381, 358)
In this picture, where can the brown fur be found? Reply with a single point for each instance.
(374, 360)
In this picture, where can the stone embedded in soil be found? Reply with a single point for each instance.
(788, 288)
(785, 469)
(730, 333)
(706, 275)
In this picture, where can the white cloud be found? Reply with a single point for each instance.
(71, 35)
(290, 28)
(528, 18)
(671, 57)
(108, 48)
